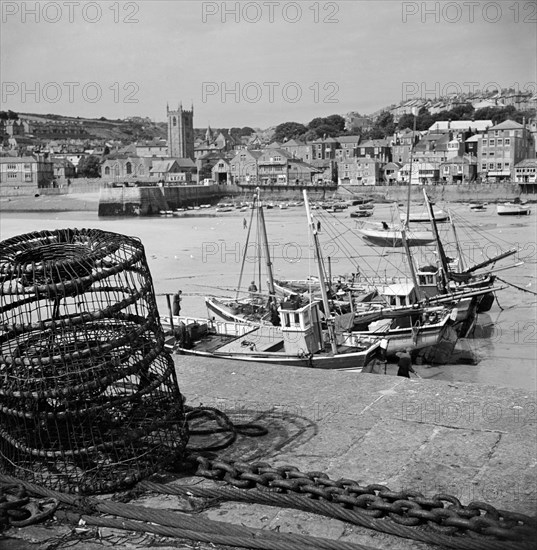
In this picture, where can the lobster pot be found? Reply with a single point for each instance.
(89, 400)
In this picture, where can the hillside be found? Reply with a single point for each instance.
(52, 126)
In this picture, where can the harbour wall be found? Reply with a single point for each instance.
(147, 201)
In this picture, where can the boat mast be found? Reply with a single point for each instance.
(457, 243)
(407, 219)
(411, 264)
(244, 254)
(410, 174)
(439, 247)
(263, 228)
(320, 271)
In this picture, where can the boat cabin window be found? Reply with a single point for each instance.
(426, 279)
(403, 300)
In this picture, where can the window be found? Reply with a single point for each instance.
(107, 170)
(12, 175)
(507, 164)
(11, 166)
(491, 166)
(499, 165)
(483, 167)
(500, 141)
(491, 143)
(28, 176)
(507, 141)
(491, 154)
(28, 167)
(485, 143)
(128, 168)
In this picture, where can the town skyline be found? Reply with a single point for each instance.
(130, 58)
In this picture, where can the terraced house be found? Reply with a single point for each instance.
(26, 173)
(278, 167)
(502, 147)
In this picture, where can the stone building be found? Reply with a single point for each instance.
(180, 132)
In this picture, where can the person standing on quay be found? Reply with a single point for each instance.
(405, 364)
(177, 303)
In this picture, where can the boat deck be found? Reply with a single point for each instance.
(263, 338)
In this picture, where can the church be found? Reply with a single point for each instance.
(180, 132)
(147, 164)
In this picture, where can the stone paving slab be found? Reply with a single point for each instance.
(472, 441)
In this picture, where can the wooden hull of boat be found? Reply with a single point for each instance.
(401, 339)
(392, 238)
(264, 344)
(424, 218)
(345, 361)
(513, 210)
(222, 312)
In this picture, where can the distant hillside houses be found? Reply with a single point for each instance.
(448, 152)
(521, 100)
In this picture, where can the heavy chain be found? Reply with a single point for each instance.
(443, 513)
(17, 509)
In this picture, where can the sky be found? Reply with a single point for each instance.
(257, 63)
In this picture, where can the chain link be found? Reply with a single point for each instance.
(443, 513)
(18, 510)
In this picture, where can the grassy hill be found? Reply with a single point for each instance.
(102, 128)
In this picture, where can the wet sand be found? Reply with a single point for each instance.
(203, 256)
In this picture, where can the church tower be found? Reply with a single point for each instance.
(180, 132)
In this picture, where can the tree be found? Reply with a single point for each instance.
(289, 130)
(406, 121)
(384, 126)
(89, 167)
(337, 121)
(330, 126)
(463, 112)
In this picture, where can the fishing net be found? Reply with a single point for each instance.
(89, 400)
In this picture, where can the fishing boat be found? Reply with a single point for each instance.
(302, 340)
(245, 310)
(383, 234)
(303, 336)
(513, 209)
(361, 213)
(423, 217)
(482, 207)
(415, 329)
(254, 307)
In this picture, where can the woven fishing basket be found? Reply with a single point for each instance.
(89, 399)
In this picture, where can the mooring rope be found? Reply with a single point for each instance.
(178, 525)
(516, 286)
(336, 511)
